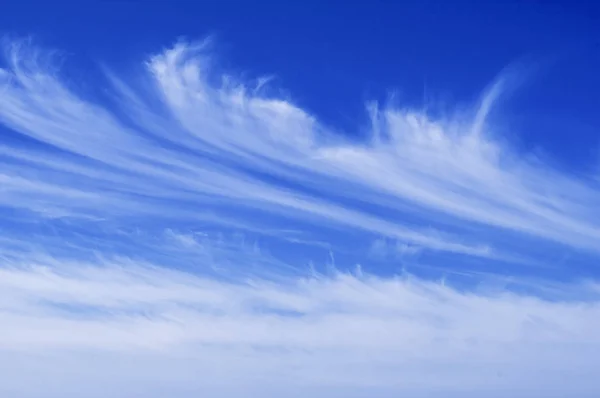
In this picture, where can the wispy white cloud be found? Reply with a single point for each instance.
(200, 140)
(341, 331)
(386, 248)
(157, 202)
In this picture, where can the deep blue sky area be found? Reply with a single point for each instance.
(332, 56)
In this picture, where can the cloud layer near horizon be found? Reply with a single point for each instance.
(133, 215)
(332, 334)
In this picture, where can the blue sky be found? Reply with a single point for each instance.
(341, 200)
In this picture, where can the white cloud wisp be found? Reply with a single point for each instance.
(159, 236)
(196, 143)
(332, 334)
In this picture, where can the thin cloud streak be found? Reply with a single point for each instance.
(206, 141)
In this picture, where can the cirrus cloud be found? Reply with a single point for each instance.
(174, 221)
